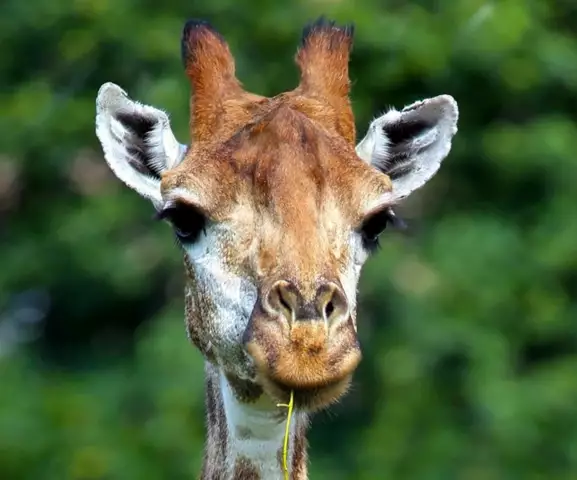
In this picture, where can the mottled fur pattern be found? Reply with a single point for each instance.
(246, 433)
(282, 192)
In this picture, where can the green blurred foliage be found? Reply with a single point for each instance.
(469, 327)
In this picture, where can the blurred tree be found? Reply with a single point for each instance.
(468, 326)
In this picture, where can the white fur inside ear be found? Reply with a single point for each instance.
(374, 147)
(410, 145)
(136, 157)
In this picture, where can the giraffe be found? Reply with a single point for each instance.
(275, 208)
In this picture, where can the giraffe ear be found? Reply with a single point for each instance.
(410, 145)
(137, 140)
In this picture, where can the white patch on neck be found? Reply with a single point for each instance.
(256, 431)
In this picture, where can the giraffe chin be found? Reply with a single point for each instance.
(308, 399)
(315, 366)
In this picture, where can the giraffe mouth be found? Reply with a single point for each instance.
(313, 361)
(309, 398)
(316, 370)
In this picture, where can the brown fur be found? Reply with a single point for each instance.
(244, 390)
(244, 469)
(214, 465)
(218, 94)
(324, 64)
(283, 175)
(299, 468)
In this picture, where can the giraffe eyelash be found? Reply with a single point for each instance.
(374, 225)
(188, 222)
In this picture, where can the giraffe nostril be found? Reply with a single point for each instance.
(284, 299)
(329, 309)
(331, 303)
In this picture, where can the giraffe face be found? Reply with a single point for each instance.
(275, 224)
(274, 207)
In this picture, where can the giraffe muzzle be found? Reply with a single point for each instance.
(306, 346)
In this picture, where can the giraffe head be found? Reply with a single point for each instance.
(275, 206)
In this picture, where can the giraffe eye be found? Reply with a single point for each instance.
(187, 221)
(376, 224)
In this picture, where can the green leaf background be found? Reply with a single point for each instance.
(469, 328)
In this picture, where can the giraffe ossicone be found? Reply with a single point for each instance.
(276, 208)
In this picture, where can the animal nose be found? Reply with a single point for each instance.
(329, 303)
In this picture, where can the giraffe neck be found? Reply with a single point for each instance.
(245, 440)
